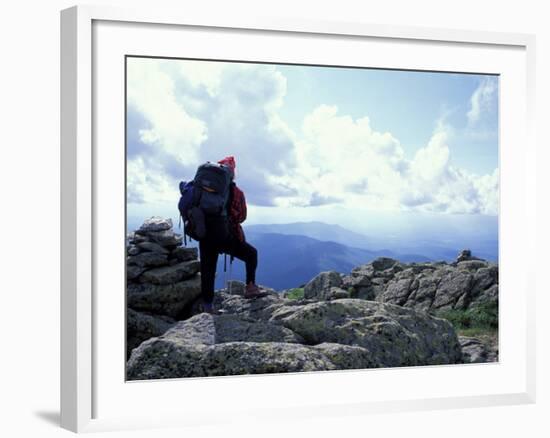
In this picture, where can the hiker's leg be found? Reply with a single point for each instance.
(249, 255)
(209, 259)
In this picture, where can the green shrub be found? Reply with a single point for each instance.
(295, 294)
(483, 317)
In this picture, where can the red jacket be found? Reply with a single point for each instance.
(237, 212)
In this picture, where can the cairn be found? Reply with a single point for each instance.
(162, 279)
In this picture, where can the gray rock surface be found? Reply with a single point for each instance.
(319, 287)
(142, 326)
(477, 351)
(155, 223)
(148, 259)
(394, 336)
(152, 247)
(171, 274)
(160, 358)
(168, 299)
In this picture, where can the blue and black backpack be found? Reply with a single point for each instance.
(206, 196)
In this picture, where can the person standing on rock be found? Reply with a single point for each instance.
(224, 234)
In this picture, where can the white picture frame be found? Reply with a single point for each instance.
(83, 370)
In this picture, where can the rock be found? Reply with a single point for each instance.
(394, 336)
(134, 238)
(255, 309)
(335, 293)
(355, 280)
(398, 291)
(152, 247)
(216, 329)
(160, 358)
(486, 277)
(148, 259)
(347, 357)
(133, 250)
(166, 238)
(133, 272)
(489, 295)
(154, 223)
(363, 271)
(184, 254)
(142, 326)
(169, 299)
(465, 254)
(472, 265)
(171, 274)
(451, 287)
(366, 293)
(383, 263)
(476, 351)
(319, 287)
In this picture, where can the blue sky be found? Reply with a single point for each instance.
(315, 143)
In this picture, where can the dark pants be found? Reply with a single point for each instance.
(209, 251)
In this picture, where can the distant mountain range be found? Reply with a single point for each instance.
(287, 260)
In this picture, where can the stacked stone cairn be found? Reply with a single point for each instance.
(163, 280)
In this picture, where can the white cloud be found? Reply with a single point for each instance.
(151, 93)
(197, 111)
(341, 160)
(483, 99)
(203, 111)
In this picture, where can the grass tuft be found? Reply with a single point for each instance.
(295, 294)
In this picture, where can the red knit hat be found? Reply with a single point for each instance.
(229, 162)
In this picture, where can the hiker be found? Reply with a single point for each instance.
(222, 232)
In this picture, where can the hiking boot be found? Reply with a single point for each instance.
(253, 291)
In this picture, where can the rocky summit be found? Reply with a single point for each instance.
(381, 314)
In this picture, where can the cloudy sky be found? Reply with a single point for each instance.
(314, 143)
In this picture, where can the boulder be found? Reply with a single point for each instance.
(133, 250)
(154, 223)
(161, 358)
(319, 287)
(363, 271)
(425, 292)
(335, 293)
(142, 326)
(347, 357)
(133, 272)
(148, 259)
(395, 336)
(489, 295)
(184, 254)
(255, 309)
(398, 291)
(216, 329)
(168, 299)
(476, 351)
(166, 238)
(452, 286)
(472, 265)
(383, 263)
(171, 274)
(152, 247)
(355, 280)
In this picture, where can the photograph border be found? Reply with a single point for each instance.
(77, 195)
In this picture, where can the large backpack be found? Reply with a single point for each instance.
(207, 196)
